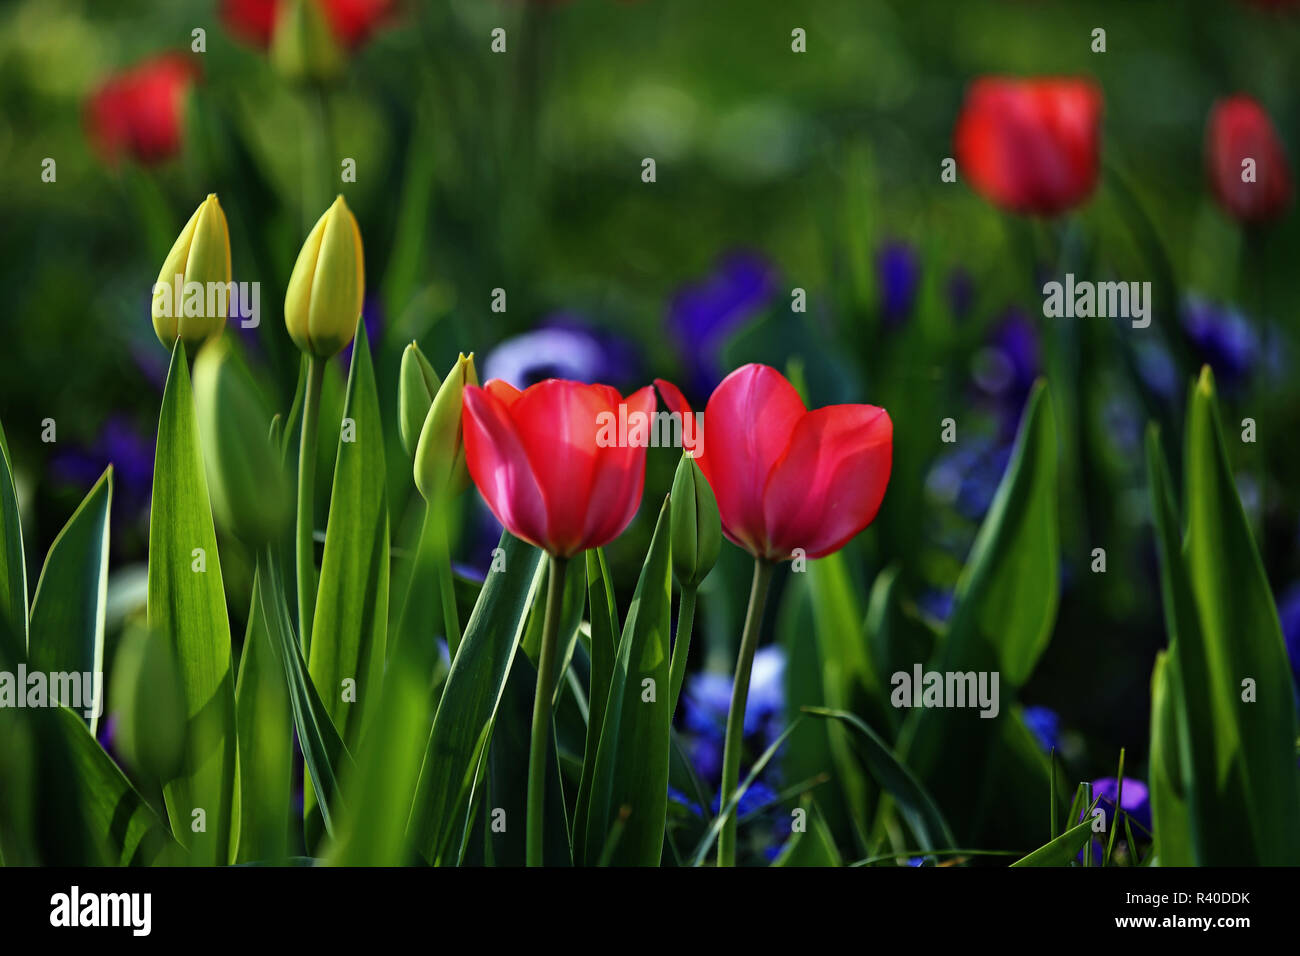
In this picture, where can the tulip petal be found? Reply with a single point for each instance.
(619, 480)
(831, 481)
(500, 468)
(506, 392)
(557, 423)
(748, 425)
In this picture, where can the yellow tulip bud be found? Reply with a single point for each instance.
(193, 291)
(303, 48)
(323, 303)
(440, 453)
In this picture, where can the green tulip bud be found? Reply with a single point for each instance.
(148, 704)
(303, 48)
(417, 385)
(323, 302)
(440, 453)
(249, 490)
(193, 291)
(696, 526)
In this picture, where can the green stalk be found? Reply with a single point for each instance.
(446, 583)
(542, 709)
(306, 558)
(736, 715)
(682, 646)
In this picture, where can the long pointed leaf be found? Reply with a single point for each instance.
(187, 606)
(66, 634)
(632, 760)
(462, 727)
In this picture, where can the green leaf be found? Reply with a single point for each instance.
(919, 810)
(1169, 812)
(462, 728)
(1006, 598)
(265, 743)
(13, 564)
(1061, 851)
(66, 634)
(848, 679)
(726, 811)
(64, 802)
(323, 753)
(187, 606)
(604, 647)
(1241, 779)
(507, 775)
(813, 845)
(378, 792)
(1005, 607)
(119, 816)
(349, 628)
(630, 779)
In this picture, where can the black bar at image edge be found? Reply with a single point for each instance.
(306, 903)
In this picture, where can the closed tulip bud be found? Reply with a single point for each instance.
(193, 291)
(417, 385)
(440, 453)
(696, 526)
(249, 490)
(303, 47)
(323, 303)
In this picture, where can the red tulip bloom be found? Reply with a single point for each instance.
(786, 477)
(139, 112)
(540, 459)
(1239, 130)
(1030, 146)
(352, 21)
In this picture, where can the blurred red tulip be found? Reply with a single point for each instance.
(1240, 130)
(353, 21)
(538, 459)
(1030, 146)
(139, 112)
(786, 477)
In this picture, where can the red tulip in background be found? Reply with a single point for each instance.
(535, 458)
(1238, 130)
(139, 112)
(352, 21)
(1030, 146)
(786, 477)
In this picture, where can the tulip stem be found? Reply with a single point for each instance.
(446, 580)
(736, 715)
(306, 548)
(682, 646)
(537, 748)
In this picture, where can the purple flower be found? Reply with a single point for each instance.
(1136, 800)
(1045, 724)
(130, 453)
(707, 699)
(704, 315)
(938, 604)
(562, 347)
(1288, 610)
(898, 272)
(1156, 369)
(1008, 367)
(1223, 338)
